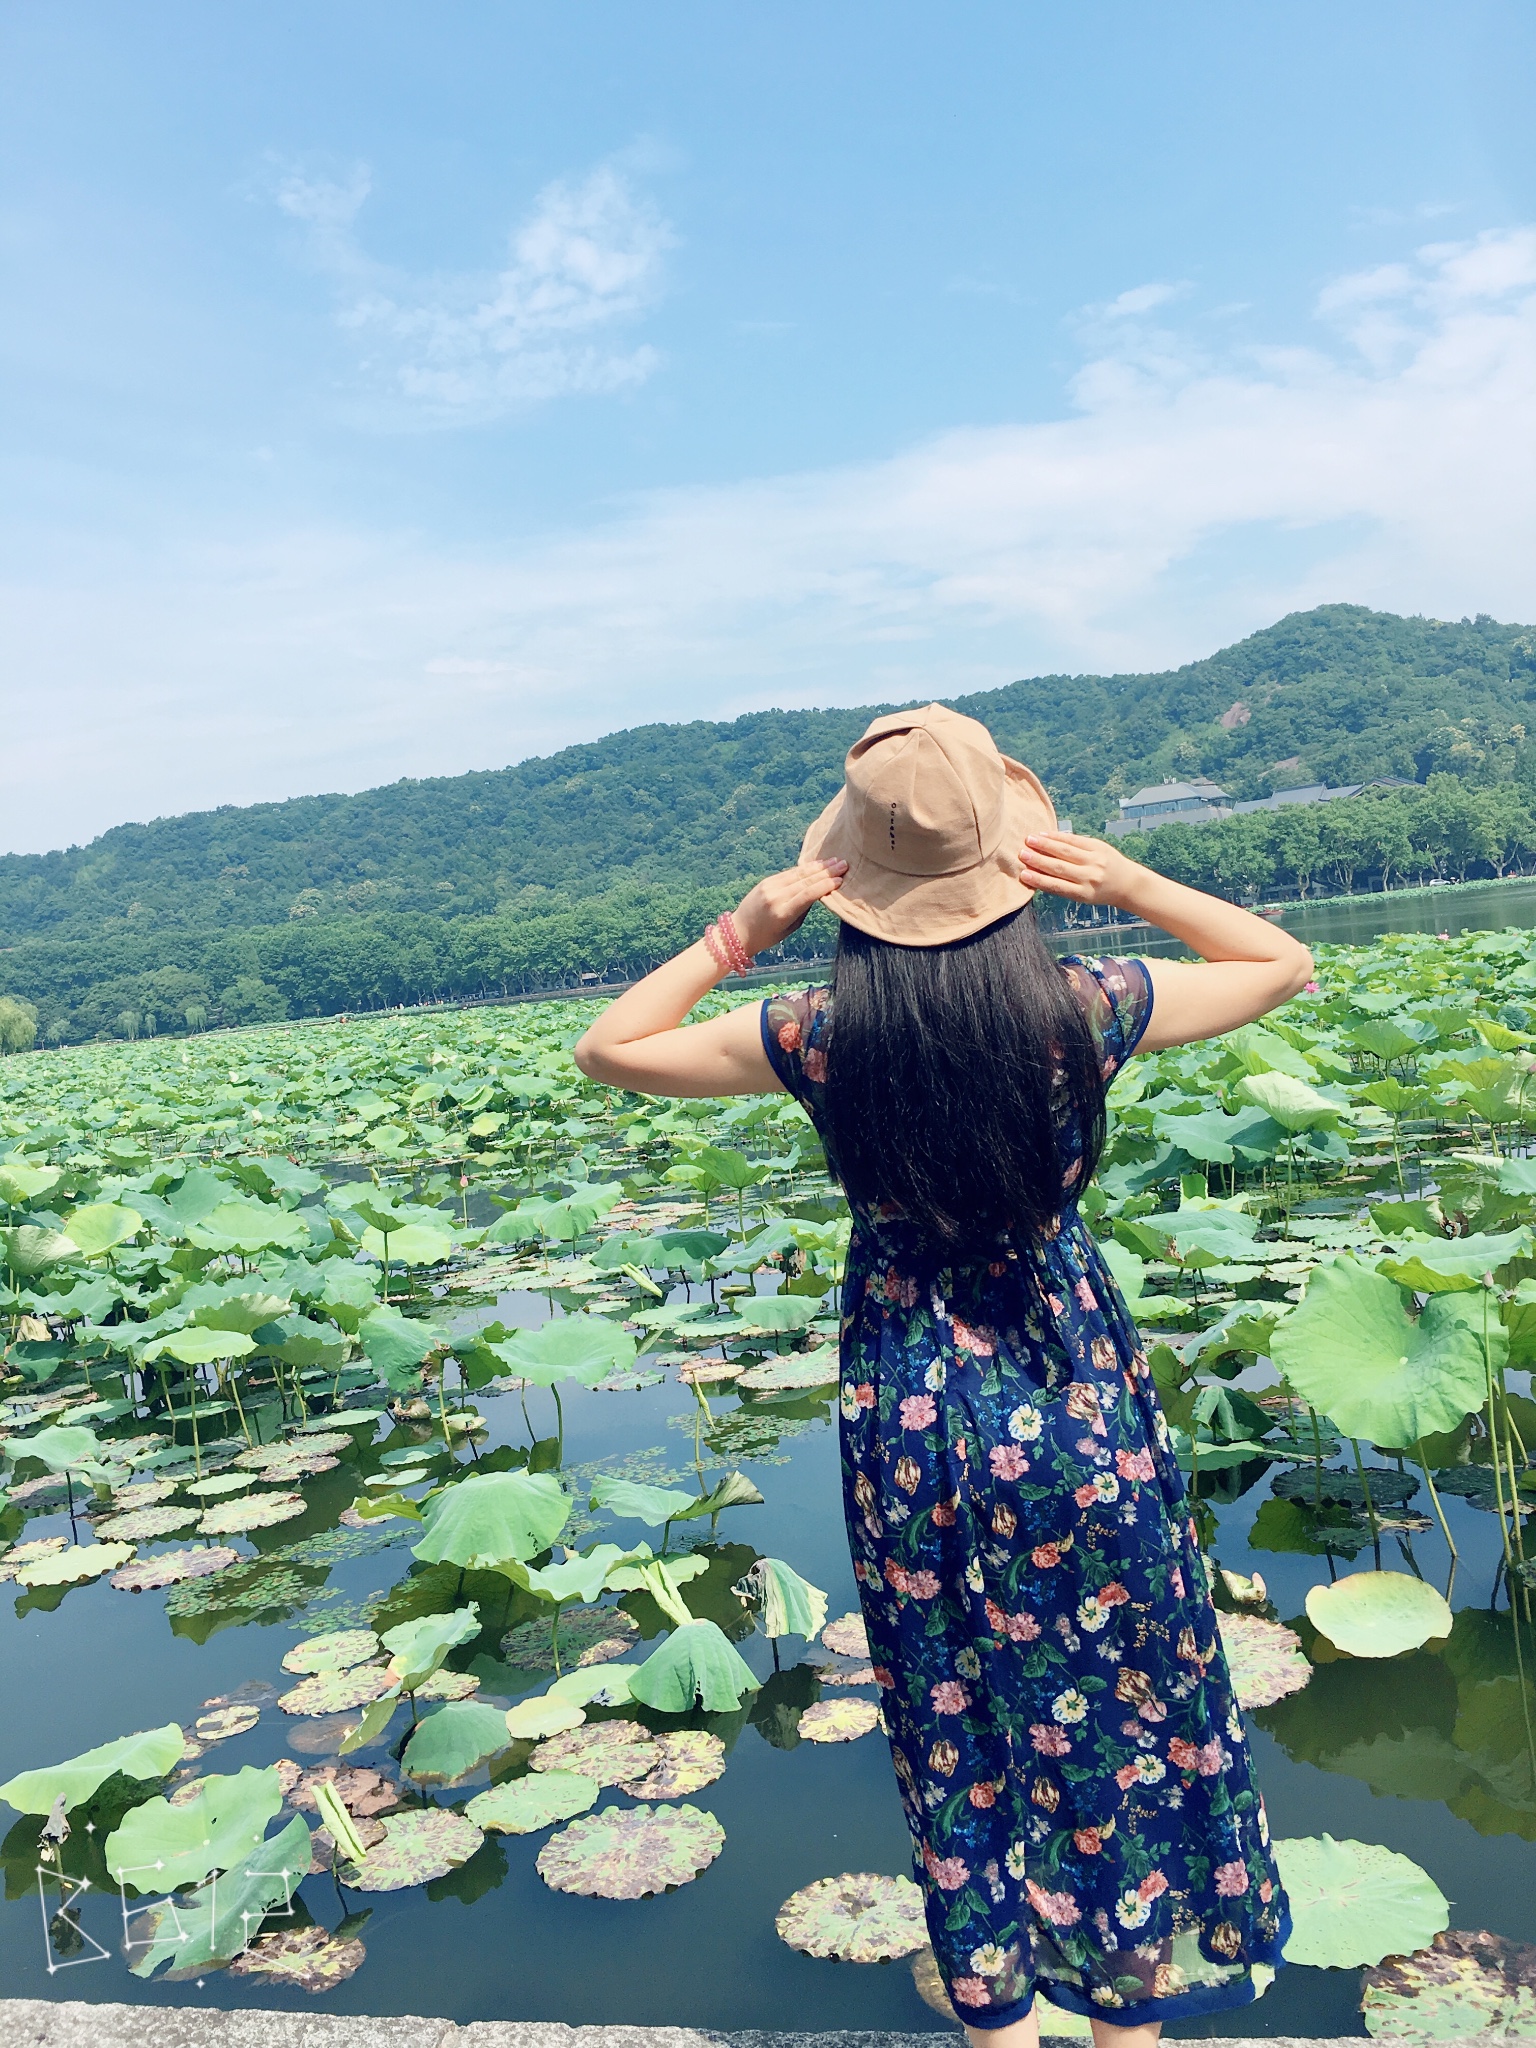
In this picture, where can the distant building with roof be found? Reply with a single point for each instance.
(1203, 802)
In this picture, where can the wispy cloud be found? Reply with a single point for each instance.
(467, 347)
(1179, 501)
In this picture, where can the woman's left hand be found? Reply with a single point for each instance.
(779, 904)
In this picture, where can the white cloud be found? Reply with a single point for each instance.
(467, 347)
(1177, 503)
(1141, 298)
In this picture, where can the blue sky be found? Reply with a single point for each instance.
(397, 390)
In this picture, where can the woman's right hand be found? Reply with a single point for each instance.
(779, 904)
(1071, 864)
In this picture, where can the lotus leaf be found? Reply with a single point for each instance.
(28, 1553)
(73, 1566)
(145, 1525)
(260, 1511)
(216, 1488)
(605, 1685)
(243, 1225)
(734, 1491)
(1449, 1265)
(194, 1346)
(494, 1519)
(654, 1505)
(223, 1723)
(417, 1847)
(20, 1182)
(97, 1226)
(150, 1754)
(523, 1806)
(582, 1629)
(697, 1661)
(62, 1449)
(608, 1752)
(217, 1922)
(396, 1347)
(578, 1576)
(321, 1443)
(1378, 1614)
(1355, 1902)
(1264, 1657)
(1292, 1103)
(343, 1418)
(171, 1567)
(447, 1685)
(451, 1742)
(159, 1846)
(774, 1315)
(532, 1720)
(332, 1692)
(861, 1917)
(691, 1758)
(303, 1959)
(791, 1606)
(847, 1636)
(416, 1648)
(335, 1652)
(631, 1853)
(412, 1244)
(1463, 1987)
(838, 1720)
(818, 1368)
(1352, 1350)
(581, 1347)
(30, 1249)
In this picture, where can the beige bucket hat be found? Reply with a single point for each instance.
(930, 819)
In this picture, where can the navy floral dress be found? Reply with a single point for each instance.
(1069, 1751)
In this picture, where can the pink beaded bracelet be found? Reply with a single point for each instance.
(716, 945)
(724, 943)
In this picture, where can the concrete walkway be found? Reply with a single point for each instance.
(44, 2023)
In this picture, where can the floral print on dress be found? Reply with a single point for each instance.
(1067, 1744)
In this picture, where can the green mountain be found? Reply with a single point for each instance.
(599, 854)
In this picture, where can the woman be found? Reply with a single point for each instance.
(1069, 1753)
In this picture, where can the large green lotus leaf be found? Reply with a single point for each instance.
(1352, 1350)
(199, 1346)
(660, 1577)
(396, 1347)
(1378, 1614)
(631, 1853)
(160, 1846)
(417, 1847)
(1448, 1265)
(1355, 1902)
(96, 1227)
(449, 1743)
(607, 1684)
(1127, 1268)
(246, 1226)
(631, 1502)
(61, 1449)
(219, 1919)
(1463, 1987)
(525, 1805)
(860, 1917)
(22, 1183)
(734, 1491)
(580, 1347)
(697, 1661)
(1262, 1051)
(578, 1576)
(493, 1519)
(198, 1195)
(690, 1759)
(300, 1341)
(1292, 1103)
(1207, 1135)
(244, 1311)
(417, 1648)
(149, 1754)
(1264, 1658)
(29, 1249)
(774, 1315)
(791, 1606)
(533, 1720)
(412, 1244)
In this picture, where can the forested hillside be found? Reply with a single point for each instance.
(599, 856)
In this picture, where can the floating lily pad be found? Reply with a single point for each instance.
(337, 1652)
(342, 1418)
(533, 1720)
(364, 1793)
(30, 1553)
(631, 1852)
(1464, 1987)
(332, 1692)
(448, 1685)
(1378, 1614)
(861, 1917)
(1355, 1902)
(528, 1647)
(1343, 1489)
(147, 1493)
(261, 1511)
(216, 1488)
(146, 1525)
(839, 1720)
(847, 1636)
(320, 1443)
(76, 1563)
(146, 1574)
(417, 1847)
(225, 1722)
(691, 1758)
(610, 1753)
(846, 1674)
(817, 1368)
(525, 1805)
(1264, 1657)
(705, 1372)
(307, 1959)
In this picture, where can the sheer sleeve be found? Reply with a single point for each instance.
(794, 1038)
(1115, 996)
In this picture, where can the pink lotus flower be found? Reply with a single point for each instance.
(918, 1412)
(949, 1697)
(1007, 1461)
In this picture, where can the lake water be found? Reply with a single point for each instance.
(1377, 1752)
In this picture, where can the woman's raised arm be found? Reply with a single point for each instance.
(1249, 966)
(636, 1042)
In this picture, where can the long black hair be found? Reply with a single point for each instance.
(947, 1069)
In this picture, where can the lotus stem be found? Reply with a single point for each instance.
(1435, 1499)
(1370, 1505)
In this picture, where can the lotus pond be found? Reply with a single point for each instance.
(427, 1586)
